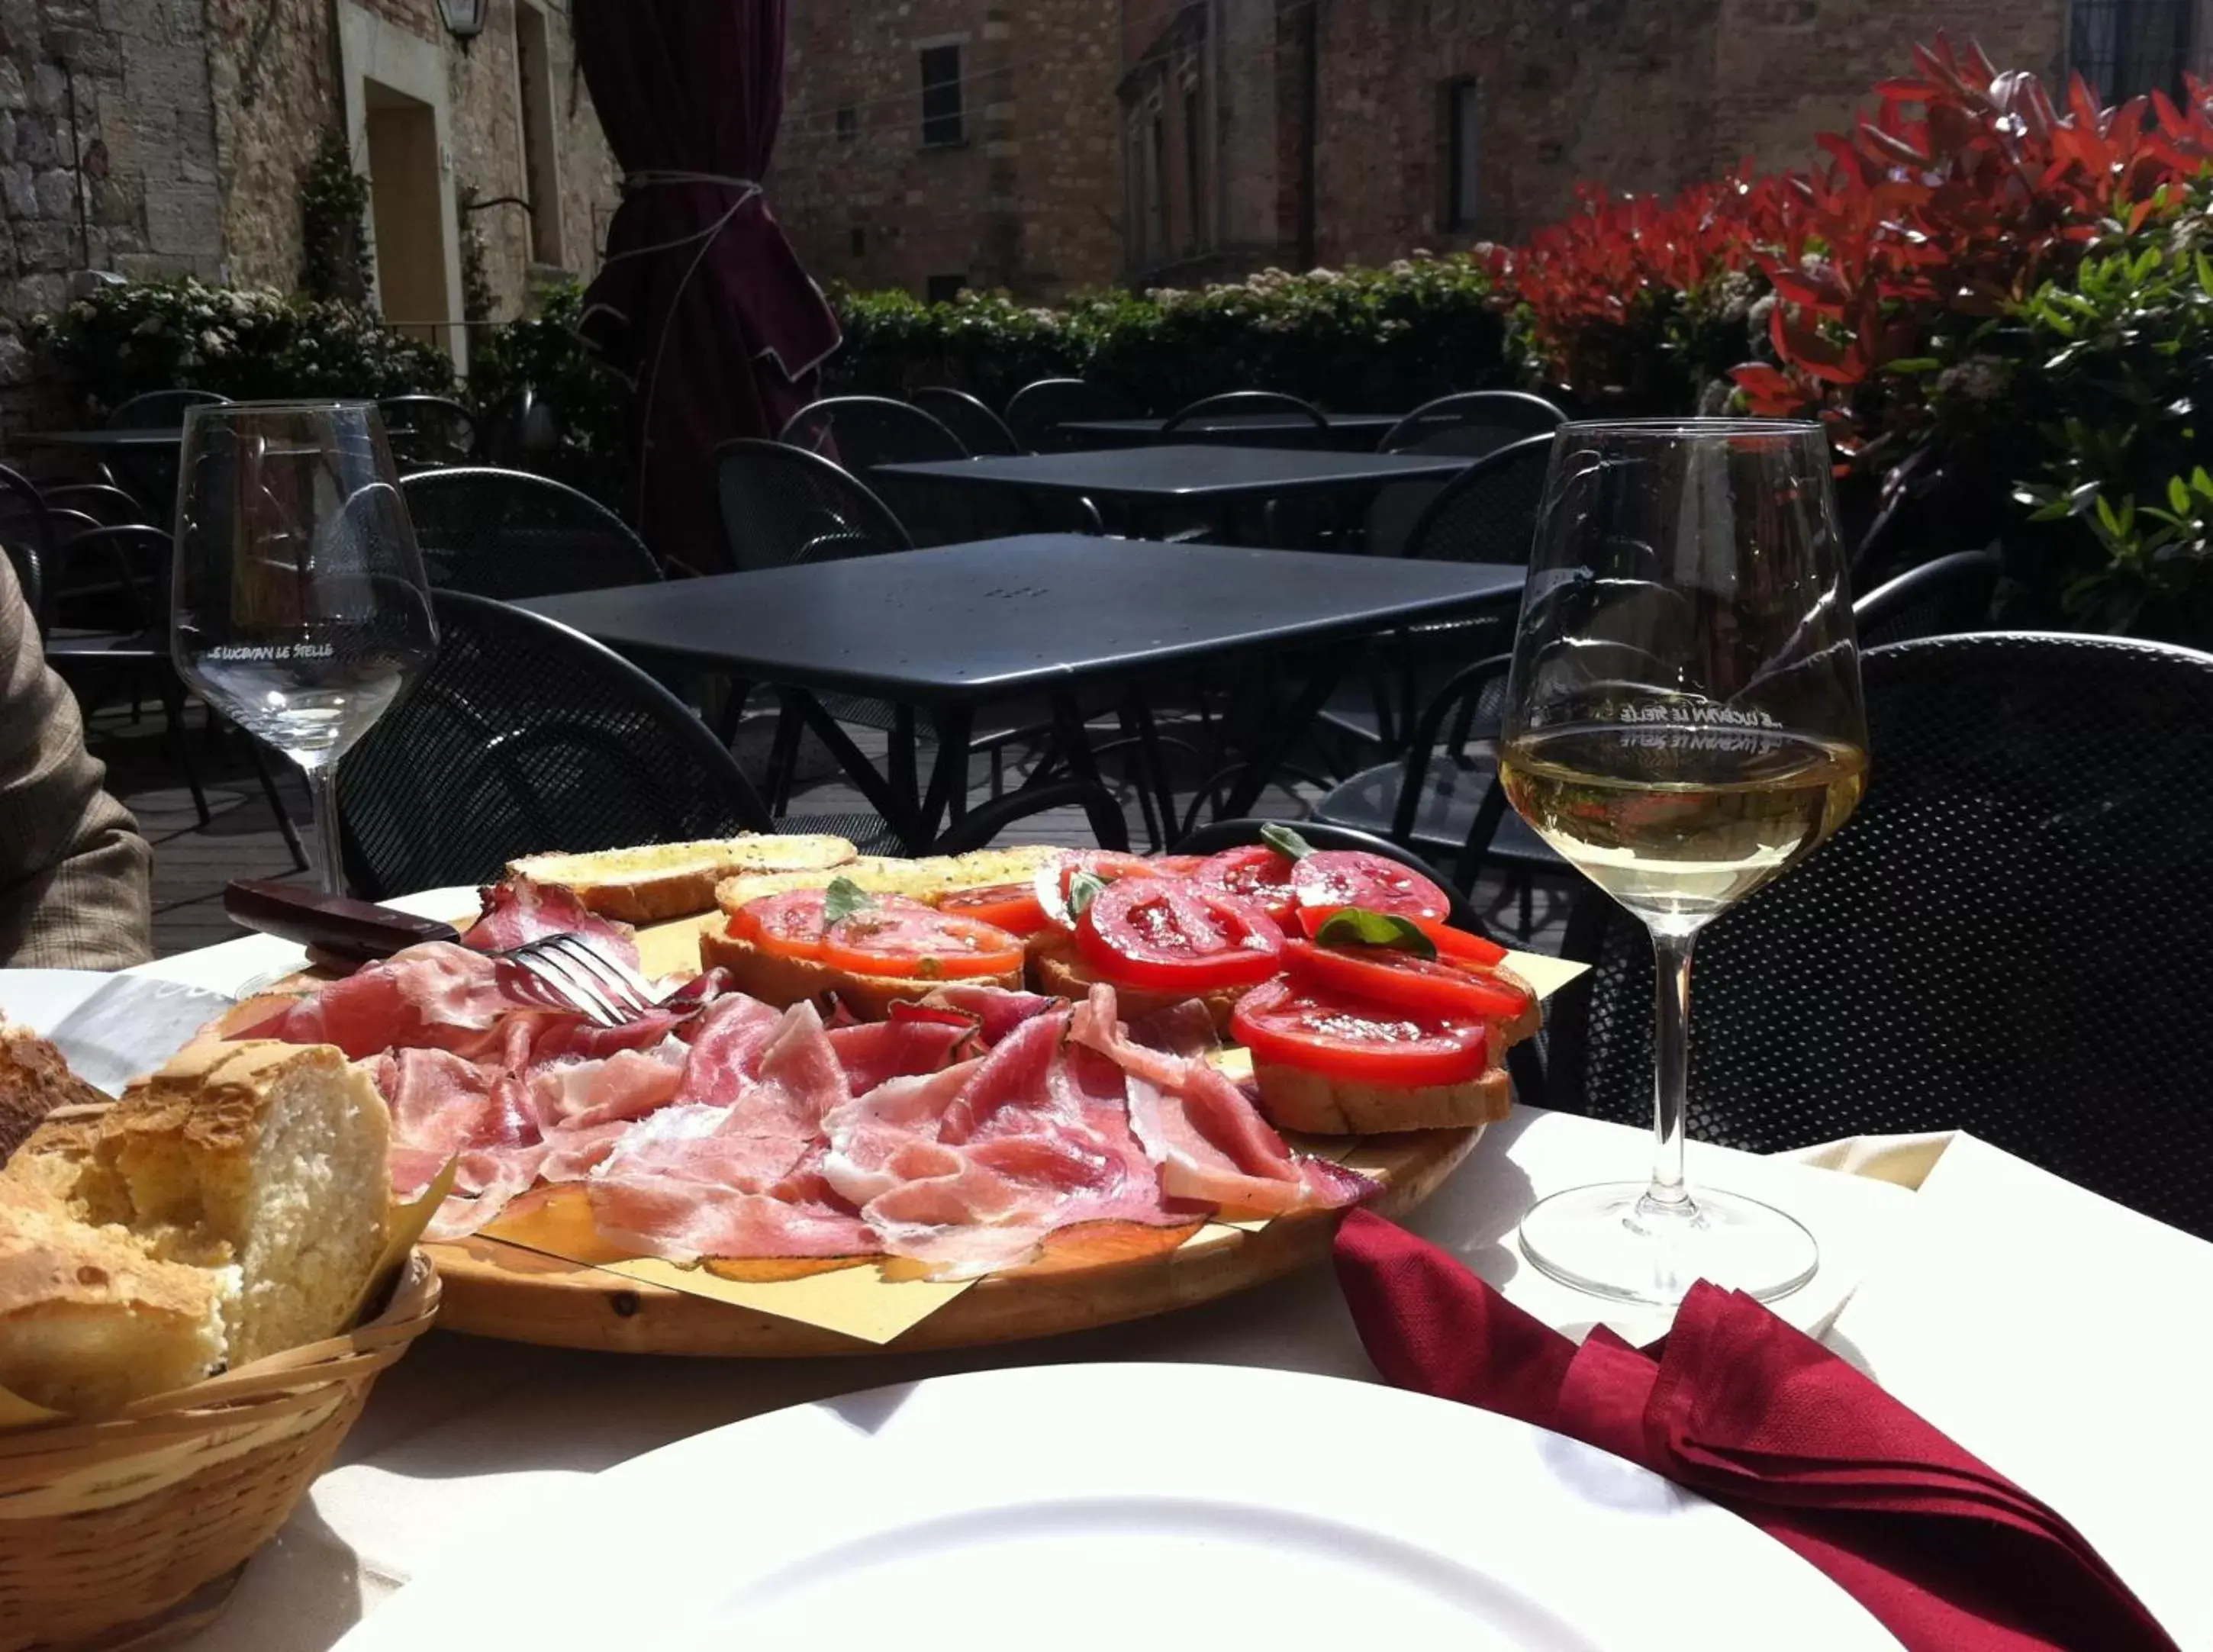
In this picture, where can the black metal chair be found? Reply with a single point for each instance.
(27, 533)
(428, 432)
(510, 535)
(978, 427)
(2010, 937)
(524, 735)
(1488, 513)
(782, 505)
(1473, 422)
(109, 506)
(865, 433)
(1476, 423)
(1225, 412)
(1036, 412)
(160, 409)
(1952, 593)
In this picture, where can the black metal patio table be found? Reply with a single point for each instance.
(1148, 484)
(1348, 431)
(144, 459)
(955, 628)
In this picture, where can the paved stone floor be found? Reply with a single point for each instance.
(192, 863)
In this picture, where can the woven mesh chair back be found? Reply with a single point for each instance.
(1474, 422)
(2010, 937)
(1952, 593)
(782, 505)
(1037, 412)
(525, 737)
(1488, 513)
(160, 409)
(510, 535)
(427, 432)
(1227, 410)
(978, 428)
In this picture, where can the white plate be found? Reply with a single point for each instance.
(110, 1028)
(1208, 1507)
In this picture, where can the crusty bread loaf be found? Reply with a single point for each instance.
(928, 879)
(1295, 1099)
(90, 1319)
(1056, 967)
(34, 1080)
(656, 882)
(783, 981)
(271, 1156)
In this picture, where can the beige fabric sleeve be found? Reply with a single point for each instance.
(75, 876)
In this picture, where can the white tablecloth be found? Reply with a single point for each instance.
(2060, 1337)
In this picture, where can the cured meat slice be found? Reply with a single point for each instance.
(519, 911)
(730, 1175)
(996, 1011)
(579, 1093)
(1204, 1132)
(436, 995)
(968, 1169)
(872, 1052)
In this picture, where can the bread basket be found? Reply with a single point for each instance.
(109, 1530)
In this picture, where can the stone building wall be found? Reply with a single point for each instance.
(191, 123)
(1028, 200)
(1642, 95)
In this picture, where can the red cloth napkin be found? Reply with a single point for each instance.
(1948, 1554)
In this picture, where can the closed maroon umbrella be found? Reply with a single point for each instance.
(701, 301)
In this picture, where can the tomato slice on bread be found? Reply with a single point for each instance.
(916, 941)
(1459, 947)
(1402, 980)
(1014, 907)
(1254, 872)
(1342, 1036)
(1177, 935)
(1055, 878)
(1330, 880)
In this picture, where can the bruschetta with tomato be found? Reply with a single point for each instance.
(868, 951)
(1358, 1038)
(1159, 940)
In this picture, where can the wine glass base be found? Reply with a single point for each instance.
(1611, 1240)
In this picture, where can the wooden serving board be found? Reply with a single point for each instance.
(1093, 1275)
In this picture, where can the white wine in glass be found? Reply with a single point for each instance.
(1684, 725)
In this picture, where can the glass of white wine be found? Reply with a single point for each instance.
(1684, 725)
(300, 605)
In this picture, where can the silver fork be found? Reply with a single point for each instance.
(580, 977)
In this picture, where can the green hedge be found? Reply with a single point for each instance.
(1352, 339)
(241, 341)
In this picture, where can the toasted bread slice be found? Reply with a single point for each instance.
(783, 981)
(656, 882)
(929, 879)
(34, 1080)
(1056, 967)
(1294, 1098)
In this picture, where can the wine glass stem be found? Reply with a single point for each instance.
(1671, 969)
(330, 855)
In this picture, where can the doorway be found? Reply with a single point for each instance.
(405, 213)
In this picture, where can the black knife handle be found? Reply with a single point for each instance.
(331, 924)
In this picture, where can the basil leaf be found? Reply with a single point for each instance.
(1357, 926)
(1284, 841)
(842, 899)
(1084, 888)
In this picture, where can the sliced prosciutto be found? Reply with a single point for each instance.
(436, 995)
(968, 1169)
(519, 911)
(1204, 1132)
(731, 1168)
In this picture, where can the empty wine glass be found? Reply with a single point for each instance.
(1683, 724)
(300, 608)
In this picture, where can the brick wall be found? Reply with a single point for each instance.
(1028, 200)
(1640, 95)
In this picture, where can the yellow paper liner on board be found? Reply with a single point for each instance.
(864, 1300)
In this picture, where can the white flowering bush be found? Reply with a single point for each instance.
(240, 342)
